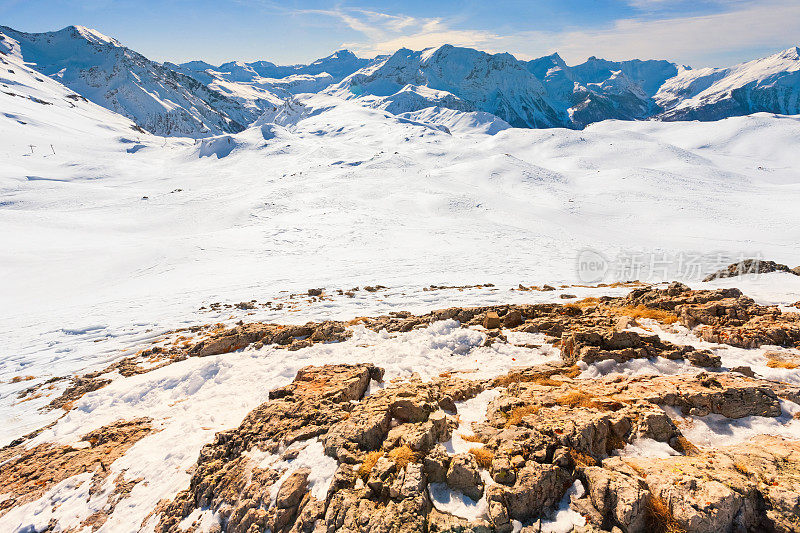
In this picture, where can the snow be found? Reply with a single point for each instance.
(565, 518)
(111, 238)
(311, 456)
(767, 84)
(456, 503)
(646, 447)
(62, 506)
(469, 411)
(715, 430)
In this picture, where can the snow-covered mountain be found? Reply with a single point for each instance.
(770, 84)
(457, 78)
(262, 84)
(104, 71)
(544, 92)
(198, 99)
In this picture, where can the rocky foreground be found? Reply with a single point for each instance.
(339, 450)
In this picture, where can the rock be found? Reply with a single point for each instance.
(751, 266)
(315, 292)
(620, 499)
(744, 370)
(439, 522)
(463, 475)
(293, 489)
(381, 476)
(502, 471)
(436, 464)
(723, 490)
(538, 487)
(410, 481)
(703, 359)
(491, 320)
(567, 296)
(512, 319)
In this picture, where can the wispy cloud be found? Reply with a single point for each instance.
(700, 40)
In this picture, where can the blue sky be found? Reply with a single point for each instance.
(698, 33)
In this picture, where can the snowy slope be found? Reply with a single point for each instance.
(771, 84)
(496, 84)
(262, 84)
(102, 70)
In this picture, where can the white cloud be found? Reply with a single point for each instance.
(695, 40)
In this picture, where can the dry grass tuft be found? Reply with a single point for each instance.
(17, 379)
(581, 459)
(403, 455)
(546, 381)
(541, 378)
(518, 413)
(739, 467)
(777, 363)
(368, 464)
(583, 304)
(483, 456)
(577, 399)
(665, 317)
(659, 517)
(686, 447)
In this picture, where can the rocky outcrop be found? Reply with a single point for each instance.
(597, 344)
(544, 431)
(752, 486)
(27, 473)
(723, 316)
(750, 266)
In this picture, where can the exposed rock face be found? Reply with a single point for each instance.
(26, 474)
(749, 266)
(400, 425)
(544, 431)
(752, 486)
(463, 476)
(723, 315)
(597, 344)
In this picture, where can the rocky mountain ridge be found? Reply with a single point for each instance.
(197, 99)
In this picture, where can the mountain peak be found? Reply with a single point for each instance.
(89, 34)
(791, 53)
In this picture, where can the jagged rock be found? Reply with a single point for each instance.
(538, 487)
(491, 320)
(751, 486)
(348, 513)
(439, 522)
(463, 475)
(27, 473)
(410, 481)
(293, 489)
(317, 399)
(750, 266)
(620, 499)
(436, 464)
(703, 359)
(420, 437)
(381, 476)
(512, 319)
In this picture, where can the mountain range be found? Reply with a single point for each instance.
(197, 99)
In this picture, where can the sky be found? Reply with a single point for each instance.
(697, 33)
